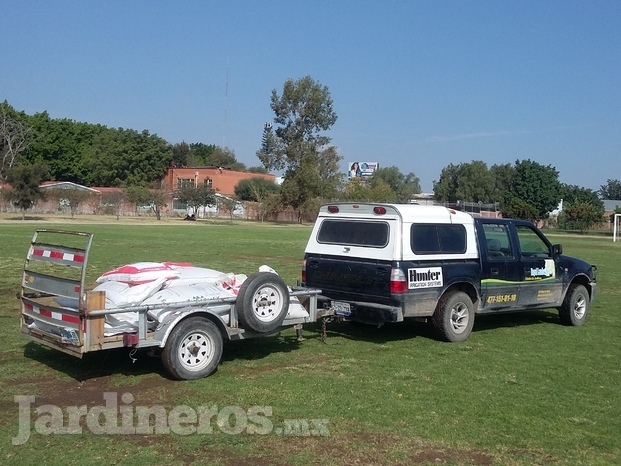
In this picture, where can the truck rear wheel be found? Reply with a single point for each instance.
(575, 307)
(454, 316)
(263, 302)
(193, 349)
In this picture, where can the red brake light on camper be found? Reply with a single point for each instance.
(333, 209)
(379, 210)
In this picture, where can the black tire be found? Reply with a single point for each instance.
(575, 307)
(262, 302)
(454, 316)
(193, 349)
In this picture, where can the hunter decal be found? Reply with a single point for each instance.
(425, 278)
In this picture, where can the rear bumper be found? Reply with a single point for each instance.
(371, 313)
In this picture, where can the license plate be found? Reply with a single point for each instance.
(342, 309)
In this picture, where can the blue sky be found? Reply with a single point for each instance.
(416, 84)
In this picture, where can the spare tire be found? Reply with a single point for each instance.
(262, 302)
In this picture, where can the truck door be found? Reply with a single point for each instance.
(500, 272)
(541, 279)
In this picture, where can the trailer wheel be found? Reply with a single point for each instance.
(193, 349)
(575, 307)
(454, 316)
(263, 302)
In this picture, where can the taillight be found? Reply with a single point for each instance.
(304, 271)
(333, 209)
(379, 210)
(398, 283)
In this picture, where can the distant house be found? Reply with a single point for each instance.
(221, 180)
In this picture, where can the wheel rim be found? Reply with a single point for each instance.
(196, 351)
(580, 307)
(266, 303)
(459, 318)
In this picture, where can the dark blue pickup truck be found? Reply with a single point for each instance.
(379, 263)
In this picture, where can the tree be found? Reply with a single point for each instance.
(581, 216)
(404, 186)
(24, 181)
(503, 177)
(70, 197)
(445, 189)
(127, 157)
(466, 182)
(573, 194)
(228, 204)
(196, 196)
(113, 200)
(14, 137)
(538, 186)
(255, 189)
(518, 208)
(298, 146)
(141, 196)
(611, 190)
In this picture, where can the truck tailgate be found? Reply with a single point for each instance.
(352, 278)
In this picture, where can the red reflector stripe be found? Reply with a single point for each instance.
(59, 255)
(52, 314)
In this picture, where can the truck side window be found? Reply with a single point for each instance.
(354, 233)
(438, 239)
(497, 241)
(531, 243)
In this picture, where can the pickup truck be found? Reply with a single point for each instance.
(378, 263)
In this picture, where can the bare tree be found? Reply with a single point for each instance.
(14, 139)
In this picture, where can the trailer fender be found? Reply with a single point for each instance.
(163, 330)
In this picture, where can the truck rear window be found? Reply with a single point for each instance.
(438, 239)
(368, 234)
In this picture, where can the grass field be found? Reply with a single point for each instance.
(521, 390)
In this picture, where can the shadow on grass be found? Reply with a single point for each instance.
(97, 364)
(411, 328)
(26, 218)
(118, 361)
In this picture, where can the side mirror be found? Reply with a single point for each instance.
(557, 250)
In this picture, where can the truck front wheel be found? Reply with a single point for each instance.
(575, 307)
(454, 316)
(193, 349)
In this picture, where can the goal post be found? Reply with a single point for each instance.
(615, 230)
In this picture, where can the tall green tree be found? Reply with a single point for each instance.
(611, 190)
(573, 194)
(503, 176)
(255, 189)
(24, 180)
(125, 156)
(298, 146)
(538, 186)
(404, 186)
(62, 145)
(581, 216)
(466, 182)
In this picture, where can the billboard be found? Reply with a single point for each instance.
(355, 169)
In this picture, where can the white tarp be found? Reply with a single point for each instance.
(155, 283)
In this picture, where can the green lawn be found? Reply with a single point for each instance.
(521, 390)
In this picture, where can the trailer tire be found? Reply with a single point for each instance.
(193, 349)
(262, 302)
(454, 316)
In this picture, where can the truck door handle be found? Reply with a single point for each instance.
(380, 271)
(495, 271)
